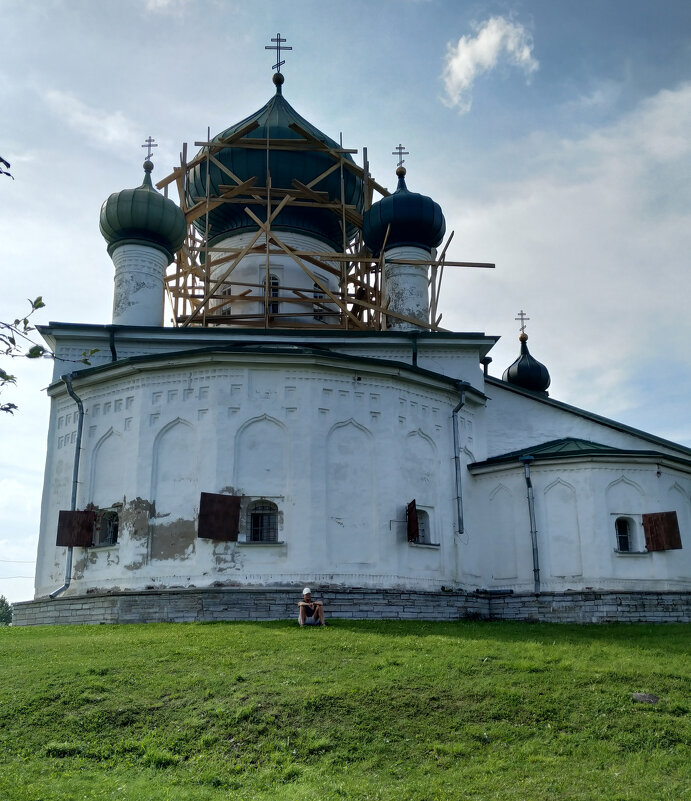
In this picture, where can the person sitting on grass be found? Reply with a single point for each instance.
(310, 613)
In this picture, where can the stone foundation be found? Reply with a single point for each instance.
(216, 604)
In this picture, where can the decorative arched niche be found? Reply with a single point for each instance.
(625, 505)
(261, 457)
(501, 534)
(175, 471)
(350, 494)
(563, 531)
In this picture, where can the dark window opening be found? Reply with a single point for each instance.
(273, 293)
(226, 307)
(624, 534)
(106, 527)
(423, 536)
(318, 308)
(262, 521)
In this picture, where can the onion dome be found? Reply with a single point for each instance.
(415, 220)
(143, 216)
(273, 123)
(527, 372)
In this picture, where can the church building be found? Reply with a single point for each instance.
(303, 419)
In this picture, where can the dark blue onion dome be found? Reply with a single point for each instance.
(143, 216)
(274, 120)
(414, 219)
(527, 372)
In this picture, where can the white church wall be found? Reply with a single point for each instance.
(313, 439)
(453, 355)
(515, 421)
(576, 504)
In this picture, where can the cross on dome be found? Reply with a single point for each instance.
(277, 48)
(400, 152)
(149, 143)
(522, 316)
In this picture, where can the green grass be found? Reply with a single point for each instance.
(360, 710)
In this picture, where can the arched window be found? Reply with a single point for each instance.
(273, 292)
(424, 535)
(318, 308)
(262, 521)
(624, 529)
(226, 308)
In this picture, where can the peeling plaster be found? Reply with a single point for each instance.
(174, 540)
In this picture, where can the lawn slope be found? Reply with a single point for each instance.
(360, 710)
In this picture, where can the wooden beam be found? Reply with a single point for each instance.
(317, 281)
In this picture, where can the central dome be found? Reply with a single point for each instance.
(274, 121)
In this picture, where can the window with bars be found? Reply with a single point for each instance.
(226, 307)
(274, 284)
(262, 521)
(318, 308)
(624, 527)
(418, 525)
(89, 528)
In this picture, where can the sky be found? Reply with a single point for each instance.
(553, 133)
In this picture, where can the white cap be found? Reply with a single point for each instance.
(307, 591)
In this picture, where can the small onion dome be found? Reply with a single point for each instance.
(143, 216)
(527, 372)
(415, 220)
(284, 165)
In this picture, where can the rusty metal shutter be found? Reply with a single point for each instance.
(219, 517)
(76, 529)
(661, 531)
(413, 530)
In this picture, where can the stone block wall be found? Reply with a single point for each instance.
(217, 604)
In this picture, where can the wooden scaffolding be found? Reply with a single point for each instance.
(359, 303)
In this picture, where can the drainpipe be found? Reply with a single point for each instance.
(526, 460)
(75, 476)
(457, 461)
(111, 342)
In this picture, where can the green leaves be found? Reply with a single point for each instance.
(15, 341)
(35, 352)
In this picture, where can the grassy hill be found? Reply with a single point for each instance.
(359, 710)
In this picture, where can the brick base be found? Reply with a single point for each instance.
(215, 604)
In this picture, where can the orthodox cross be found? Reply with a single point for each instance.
(149, 143)
(522, 317)
(277, 47)
(400, 152)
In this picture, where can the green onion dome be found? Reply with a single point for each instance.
(527, 372)
(415, 220)
(143, 216)
(274, 121)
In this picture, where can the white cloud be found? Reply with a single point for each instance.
(592, 240)
(103, 129)
(495, 40)
(170, 6)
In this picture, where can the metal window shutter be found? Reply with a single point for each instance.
(661, 531)
(413, 529)
(76, 529)
(219, 517)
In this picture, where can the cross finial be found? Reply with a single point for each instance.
(522, 316)
(400, 152)
(149, 143)
(277, 47)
